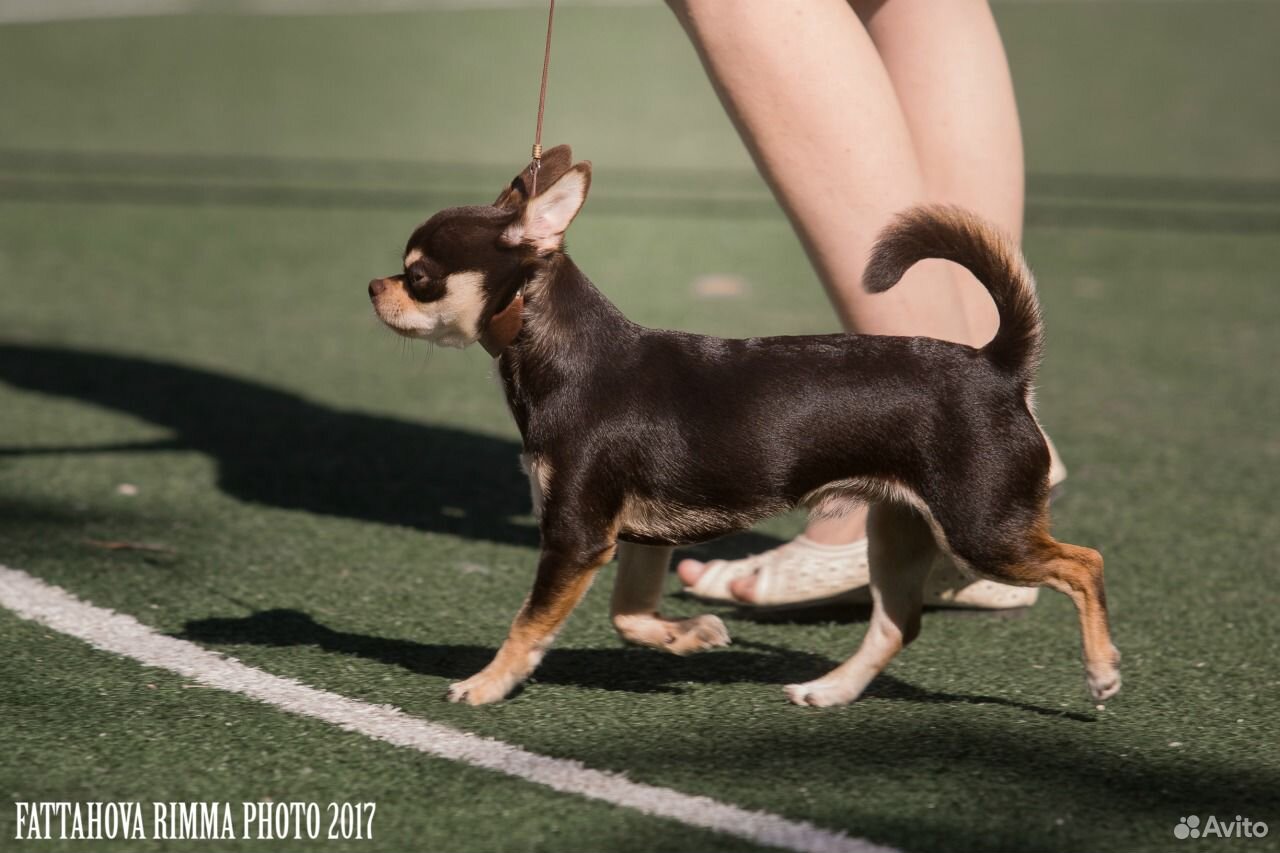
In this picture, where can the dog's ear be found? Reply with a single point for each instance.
(547, 215)
(555, 162)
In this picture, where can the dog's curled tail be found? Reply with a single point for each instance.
(953, 234)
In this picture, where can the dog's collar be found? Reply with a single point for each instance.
(504, 326)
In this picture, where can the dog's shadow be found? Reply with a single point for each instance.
(627, 669)
(855, 613)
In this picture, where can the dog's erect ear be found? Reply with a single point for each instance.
(555, 162)
(547, 215)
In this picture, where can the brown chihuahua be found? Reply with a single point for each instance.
(653, 438)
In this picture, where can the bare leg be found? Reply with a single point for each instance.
(637, 590)
(949, 70)
(853, 117)
(809, 93)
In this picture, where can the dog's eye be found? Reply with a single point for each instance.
(422, 287)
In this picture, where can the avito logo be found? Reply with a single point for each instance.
(1241, 827)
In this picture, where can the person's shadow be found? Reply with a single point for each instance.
(276, 448)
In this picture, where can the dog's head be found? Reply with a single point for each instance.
(466, 264)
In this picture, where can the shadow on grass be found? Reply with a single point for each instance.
(975, 782)
(1000, 785)
(626, 669)
(856, 612)
(278, 449)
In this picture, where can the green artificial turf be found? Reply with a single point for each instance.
(189, 211)
(171, 740)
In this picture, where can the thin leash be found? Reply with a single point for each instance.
(542, 102)
(504, 326)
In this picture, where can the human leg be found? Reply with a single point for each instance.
(853, 111)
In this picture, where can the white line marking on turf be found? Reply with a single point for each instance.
(104, 629)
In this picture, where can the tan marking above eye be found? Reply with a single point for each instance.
(412, 257)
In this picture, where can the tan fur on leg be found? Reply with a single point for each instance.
(642, 569)
(1077, 572)
(900, 555)
(532, 633)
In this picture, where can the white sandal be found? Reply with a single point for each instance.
(801, 573)
(950, 586)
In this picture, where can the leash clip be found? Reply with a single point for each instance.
(536, 167)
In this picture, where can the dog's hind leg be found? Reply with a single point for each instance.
(642, 572)
(901, 550)
(1077, 573)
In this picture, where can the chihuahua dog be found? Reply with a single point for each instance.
(636, 440)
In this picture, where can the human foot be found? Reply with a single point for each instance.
(800, 573)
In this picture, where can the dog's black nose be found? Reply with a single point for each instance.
(376, 286)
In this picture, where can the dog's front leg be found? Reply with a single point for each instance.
(564, 576)
(642, 571)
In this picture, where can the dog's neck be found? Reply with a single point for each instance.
(569, 328)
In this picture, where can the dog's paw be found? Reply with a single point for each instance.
(820, 694)
(483, 688)
(679, 637)
(1102, 674)
(1103, 680)
(698, 634)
